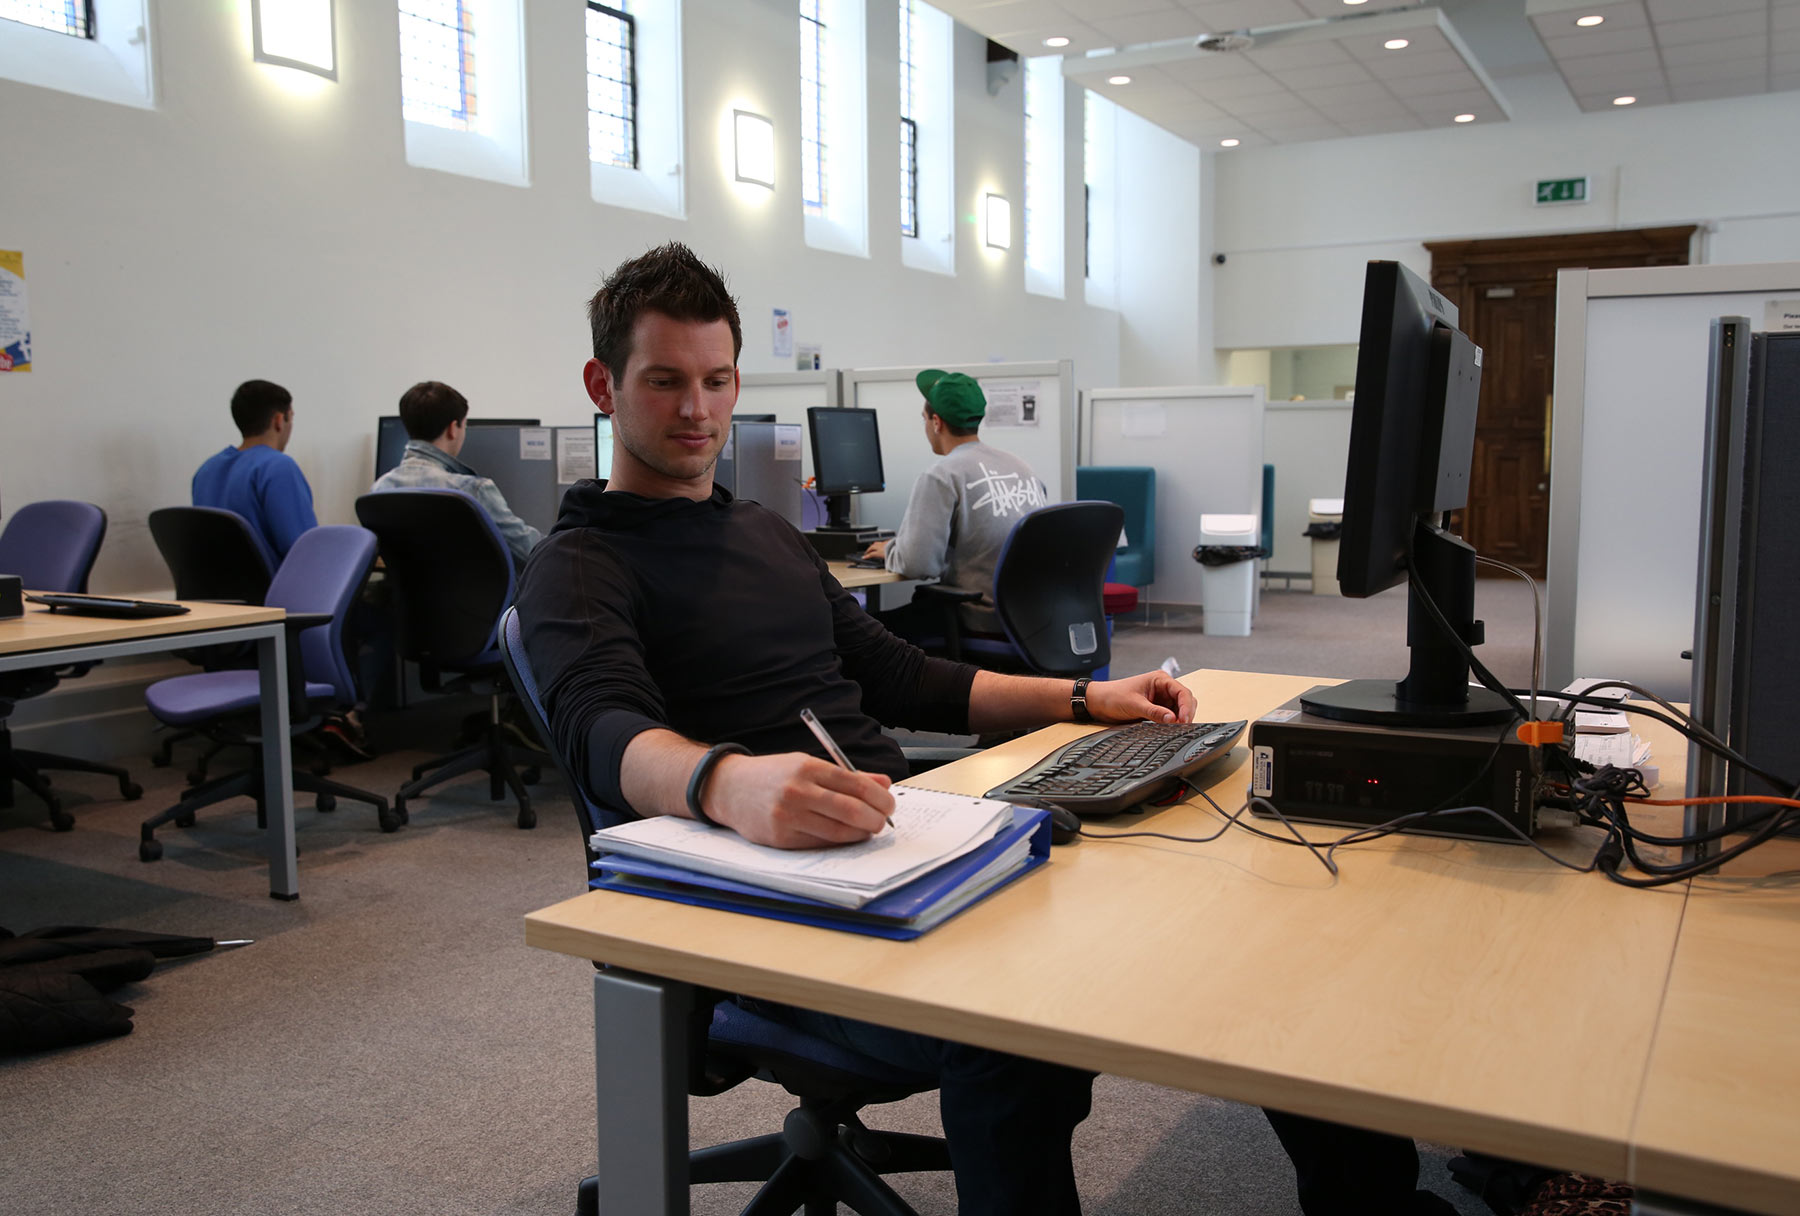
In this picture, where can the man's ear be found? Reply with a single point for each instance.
(597, 378)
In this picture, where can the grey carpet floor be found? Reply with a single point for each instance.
(389, 1045)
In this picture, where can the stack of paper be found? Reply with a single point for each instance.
(940, 853)
(1620, 751)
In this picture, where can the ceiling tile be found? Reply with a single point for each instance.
(1198, 69)
(1329, 74)
(1619, 14)
(1624, 61)
(1713, 29)
(1782, 81)
(1370, 48)
(1337, 8)
(1431, 63)
(1220, 15)
(1785, 42)
(1299, 135)
(1718, 88)
(1712, 52)
(1241, 89)
(1782, 64)
(1681, 10)
(1601, 41)
(1148, 27)
(1118, 8)
(1383, 126)
(1426, 86)
(1706, 73)
(1602, 99)
(1280, 59)
(1258, 107)
(1785, 19)
(1343, 94)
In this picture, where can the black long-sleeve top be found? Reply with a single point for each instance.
(717, 620)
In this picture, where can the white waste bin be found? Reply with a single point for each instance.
(1227, 583)
(1324, 517)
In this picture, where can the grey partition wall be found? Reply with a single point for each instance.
(1626, 461)
(1308, 442)
(521, 461)
(1206, 445)
(788, 395)
(1031, 413)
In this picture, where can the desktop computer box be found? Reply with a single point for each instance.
(840, 544)
(1319, 770)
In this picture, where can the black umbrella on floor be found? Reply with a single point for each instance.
(52, 981)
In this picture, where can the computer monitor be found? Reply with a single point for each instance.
(505, 422)
(1412, 439)
(603, 445)
(390, 438)
(846, 452)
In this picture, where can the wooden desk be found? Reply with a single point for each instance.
(1470, 993)
(42, 638)
(852, 577)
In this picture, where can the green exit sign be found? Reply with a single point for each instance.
(1563, 190)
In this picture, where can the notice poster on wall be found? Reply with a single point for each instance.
(1779, 316)
(1011, 402)
(783, 334)
(15, 316)
(575, 455)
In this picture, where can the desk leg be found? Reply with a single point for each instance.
(278, 767)
(640, 1085)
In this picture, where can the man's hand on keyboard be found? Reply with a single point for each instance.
(1154, 696)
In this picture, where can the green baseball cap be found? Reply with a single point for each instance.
(952, 396)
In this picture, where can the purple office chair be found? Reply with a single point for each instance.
(51, 546)
(316, 584)
(824, 1155)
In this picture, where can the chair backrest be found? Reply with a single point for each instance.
(1133, 487)
(214, 554)
(322, 573)
(1049, 586)
(52, 545)
(592, 814)
(451, 571)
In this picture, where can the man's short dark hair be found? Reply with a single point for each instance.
(961, 432)
(255, 404)
(429, 407)
(669, 279)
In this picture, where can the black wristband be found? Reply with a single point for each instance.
(1078, 708)
(703, 770)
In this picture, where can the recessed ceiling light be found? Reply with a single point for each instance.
(1118, 80)
(1356, 1)
(1585, 22)
(1624, 101)
(1228, 143)
(1396, 44)
(1465, 118)
(1059, 40)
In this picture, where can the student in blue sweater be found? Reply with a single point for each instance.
(257, 478)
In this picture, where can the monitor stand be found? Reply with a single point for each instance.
(837, 539)
(1436, 690)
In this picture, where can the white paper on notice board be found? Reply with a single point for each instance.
(787, 441)
(1144, 420)
(1781, 316)
(534, 443)
(1011, 402)
(575, 456)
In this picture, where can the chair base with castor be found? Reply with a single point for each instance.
(508, 766)
(249, 784)
(824, 1156)
(28, 767)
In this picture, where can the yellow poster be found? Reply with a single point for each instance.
(15, 317)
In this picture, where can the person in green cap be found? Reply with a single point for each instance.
(962, 508)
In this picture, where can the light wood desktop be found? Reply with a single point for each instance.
(41, 638)
(1469, 993)
(851, 577)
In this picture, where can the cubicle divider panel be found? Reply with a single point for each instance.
(1628, 436)
(788, 395)
(1030, 414)
(1308, 442)
(521, 461)
(1206, 445)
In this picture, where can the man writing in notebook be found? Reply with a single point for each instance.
(677, 634)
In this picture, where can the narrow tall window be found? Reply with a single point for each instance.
(909, 127)
(1044, 175)
(612, 86)
(813, 72)
(437, 63)
(72, 17)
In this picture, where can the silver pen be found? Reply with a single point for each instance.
(825, 740)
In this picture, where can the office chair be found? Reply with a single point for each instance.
(452, 579)
(1133, 487)
(824, 1155)
(316, 584)
(215, 555)
(1048, 593)
(51, 546)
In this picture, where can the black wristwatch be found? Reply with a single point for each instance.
(703, 770)
(1078, 700)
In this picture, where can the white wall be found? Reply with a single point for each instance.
(262, 222)
(1298, 222)
(1165, 288)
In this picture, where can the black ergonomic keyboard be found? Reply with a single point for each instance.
(1116, 769)
(106, 605)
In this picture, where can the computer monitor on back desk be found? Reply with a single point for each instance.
(846, 450)
(390, 437)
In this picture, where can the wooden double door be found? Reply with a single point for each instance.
(1505, 293)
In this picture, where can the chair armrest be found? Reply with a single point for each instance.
(945, 594)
